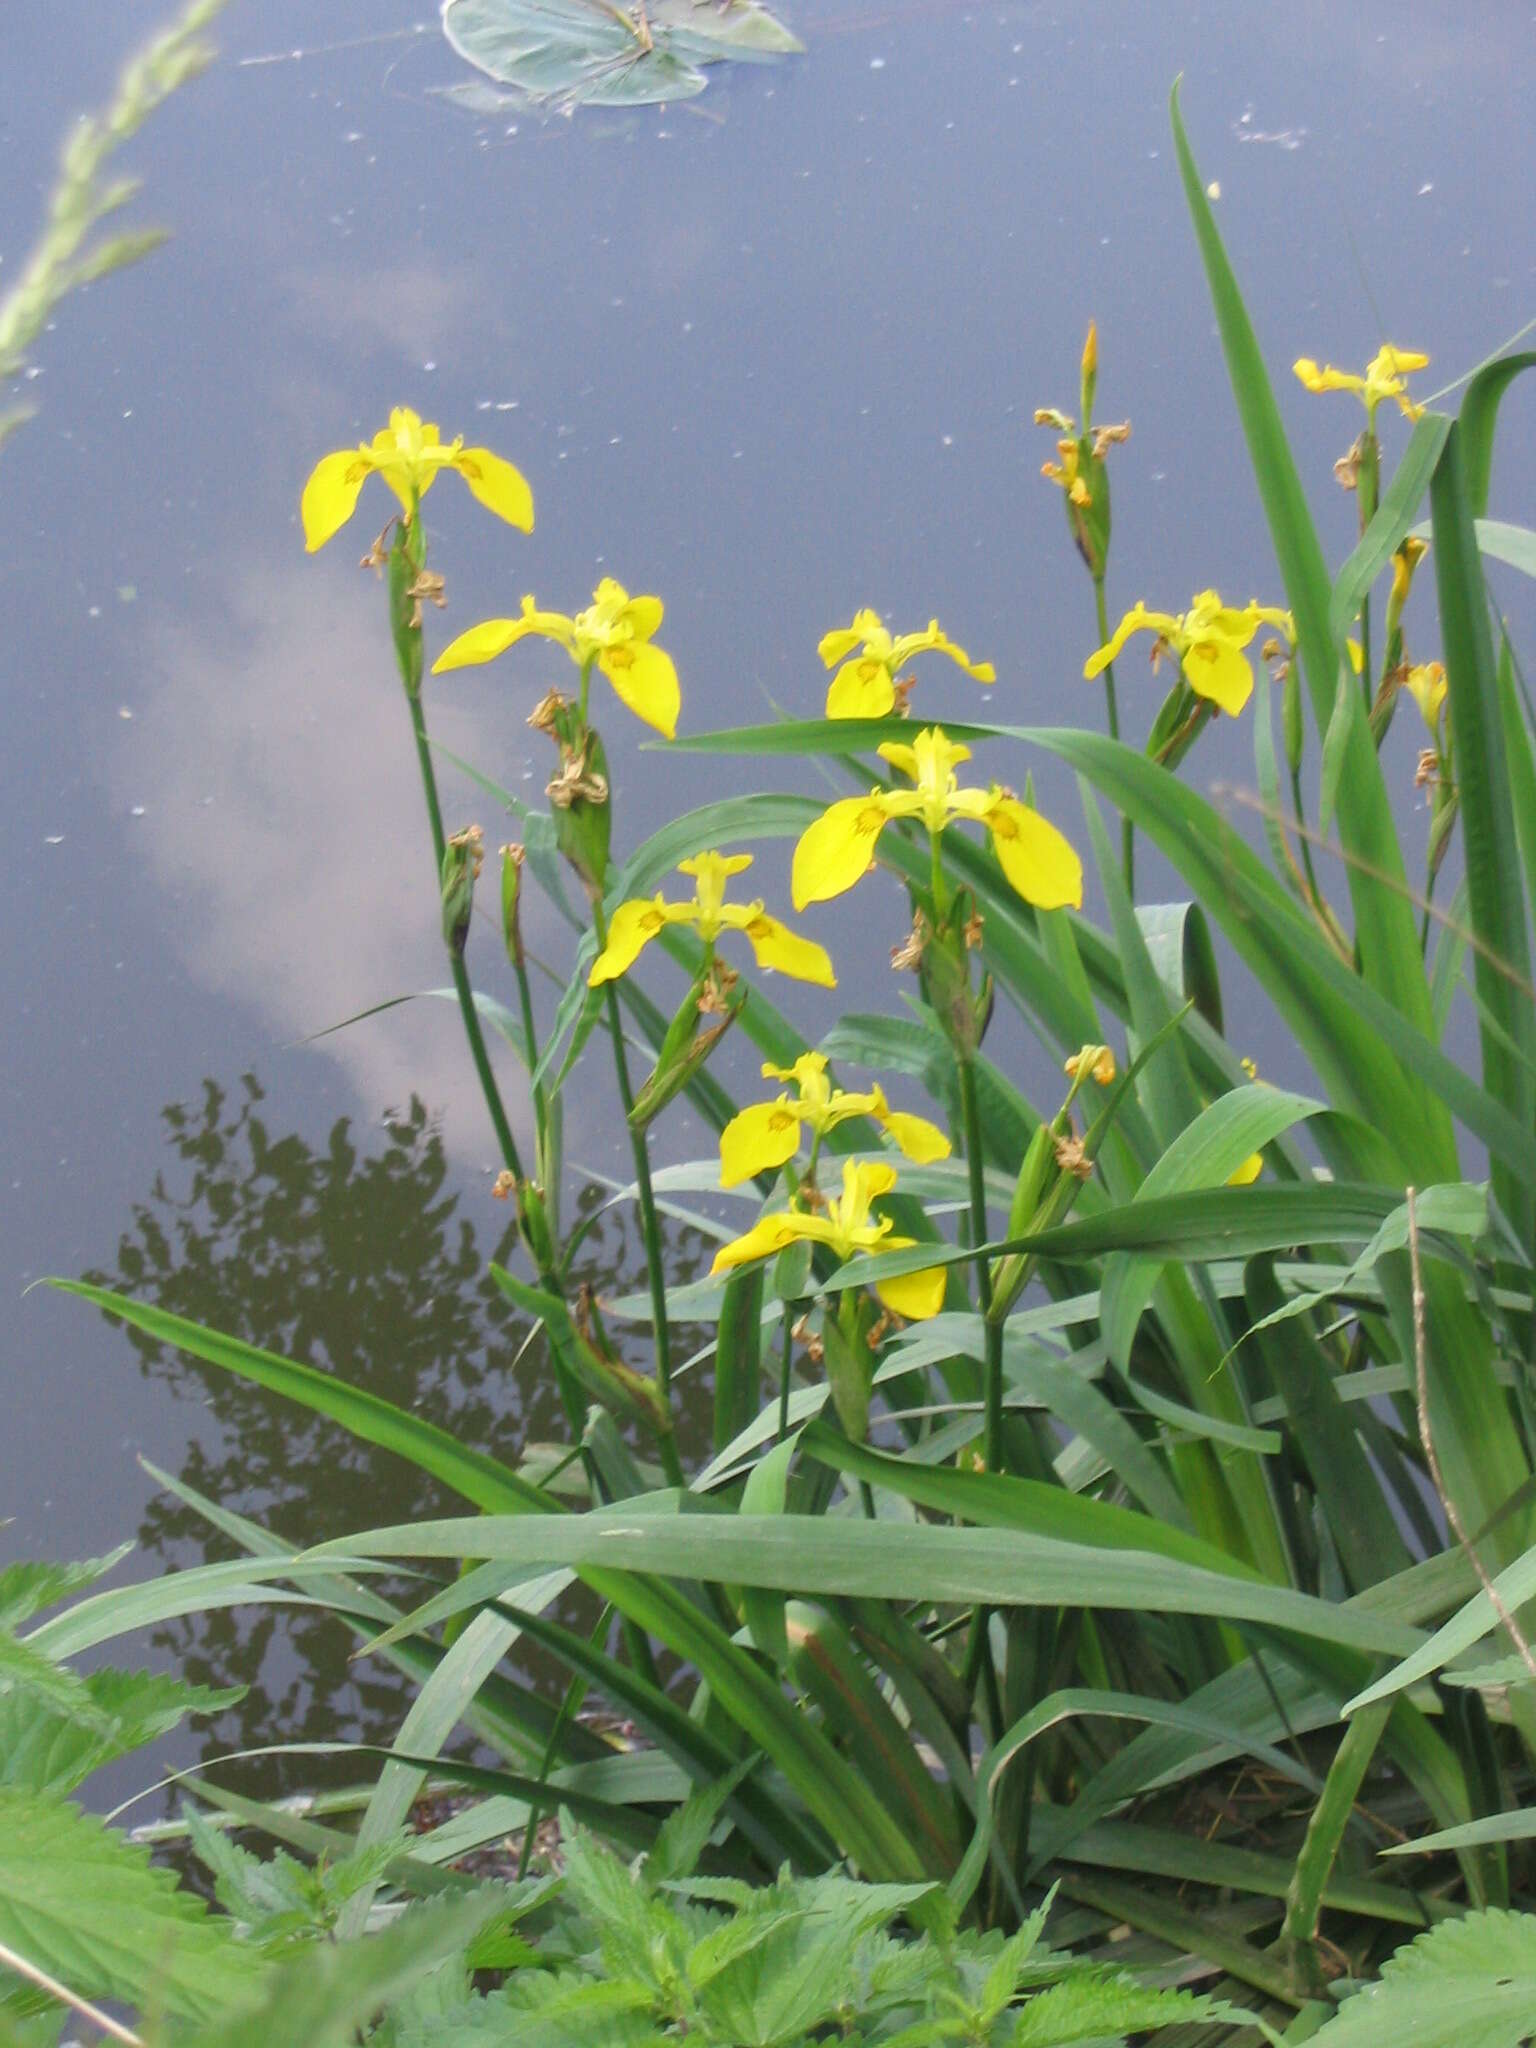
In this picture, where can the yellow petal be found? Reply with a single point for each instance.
(1426, 684)
(645, 681)
(864, 1181)
(642, 615)
(1218, 670)
(481, 643)
(1137, 620)
(837, 645)
(1396, 362)
(330, 496)
(409, 482)
(1248, 1172)
(933, 641)
(1037, 859)
(714, 868)
(769, 1234)
(1327, 378)
(861, 689)
(776, 946)
(836, 1106)
(835, 851)
(632, 926)
(758, 1140)
(809, 1074)
(499, 487)
(900, 756)
(917, 1296)
(921, 1141)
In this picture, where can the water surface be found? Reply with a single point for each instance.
(773, 354)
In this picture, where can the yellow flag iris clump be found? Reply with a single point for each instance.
(766, 1135)
(865, 684)
(614, 633)
(408, 454)
(1208, 641)
(634, 924)
(837, 850)
(847, 1227)
(1383, 378)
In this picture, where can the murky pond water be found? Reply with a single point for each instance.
(774, 354)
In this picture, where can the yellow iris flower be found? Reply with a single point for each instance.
(865, 686)
(847, 1228)
(614, 632)
(1426, 685)
(767, 1134)
(634, 924)
(1208, 639)
(1383, 378)
(408, 455)
(837, 850)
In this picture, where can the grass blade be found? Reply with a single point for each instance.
(1390, 961)
(1501, 965)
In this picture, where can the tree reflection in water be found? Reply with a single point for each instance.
(355, 1257)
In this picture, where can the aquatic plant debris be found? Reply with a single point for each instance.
(569, 53)
(590, 51)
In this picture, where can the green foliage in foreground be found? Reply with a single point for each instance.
(1173, 1569)
(605, 1954)
(70, 253)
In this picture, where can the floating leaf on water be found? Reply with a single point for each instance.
(592, 53)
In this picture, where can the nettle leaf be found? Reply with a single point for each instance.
(32, 1584)
(88, 1906)
(587, 52)
(333, 1989)
(539, 2009)
(635, 1930)
(54, 1751)
(684, 1834)
(44, 1685)
(1096, 2008)
(283, 1900)
(1468, 1983)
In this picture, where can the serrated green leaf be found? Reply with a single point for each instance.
(31, 1584)
(86, 1905)
(332, 1990)
(1094, 2008)
(1468, 1983)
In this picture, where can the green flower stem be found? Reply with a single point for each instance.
(650, 1230)
(467, 1010)
(786, 1368)
(1366, 486)
(530, 1039)
(976, 1168)
(1127, 830)
(977, 1660)
(1301, 835)
(570, 1705)
(936, 874)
